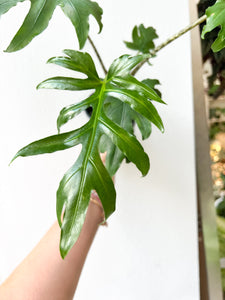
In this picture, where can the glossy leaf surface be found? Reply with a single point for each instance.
(40, 13)
(124, 116)
(88, 172)
(142, 39)
(215, 17)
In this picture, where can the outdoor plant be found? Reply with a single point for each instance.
(117, 101)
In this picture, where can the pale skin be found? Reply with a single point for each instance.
(43, 274)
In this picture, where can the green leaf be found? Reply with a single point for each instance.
(78, 12)
(5, 5)
(127, 143)
(88, 172)
(41, 12)
(69, 112)
(139, 103)
(134, 84)
(215, 17)
(144, 125)
(122, 115)
(68, 83)
(124, 64)
(35, 22)
(142, 39)
(152, 83)
(54, 143)
(76, 61)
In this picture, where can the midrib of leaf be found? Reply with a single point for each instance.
(87, 158)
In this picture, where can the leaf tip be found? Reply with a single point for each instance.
(63, 252)
(162, 129)
(39, 86)
(13, 159)
(50, 60)
(147, 167)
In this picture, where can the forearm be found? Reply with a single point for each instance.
(43, 274)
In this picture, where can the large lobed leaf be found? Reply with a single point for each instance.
(40, 13)
(88, 172)
(216, 17)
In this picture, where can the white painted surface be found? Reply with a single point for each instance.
(149, 250)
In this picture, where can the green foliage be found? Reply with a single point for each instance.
(88, 172)
(142, 39)
(125, 117)
(215, 17)
(216, 79)
(41, 12)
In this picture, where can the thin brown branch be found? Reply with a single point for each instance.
(97, 54)
(170, 40)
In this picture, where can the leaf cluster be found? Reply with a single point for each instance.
(106, 130)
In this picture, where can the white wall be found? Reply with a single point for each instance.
(149, 250)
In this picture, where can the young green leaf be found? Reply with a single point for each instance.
(76, 61)
(88, 172)
(142, 39)
(215, 18)
(124, 64)
(41, 12)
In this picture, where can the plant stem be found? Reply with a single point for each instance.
(170, 40)
(180, 33)
(97, 54)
